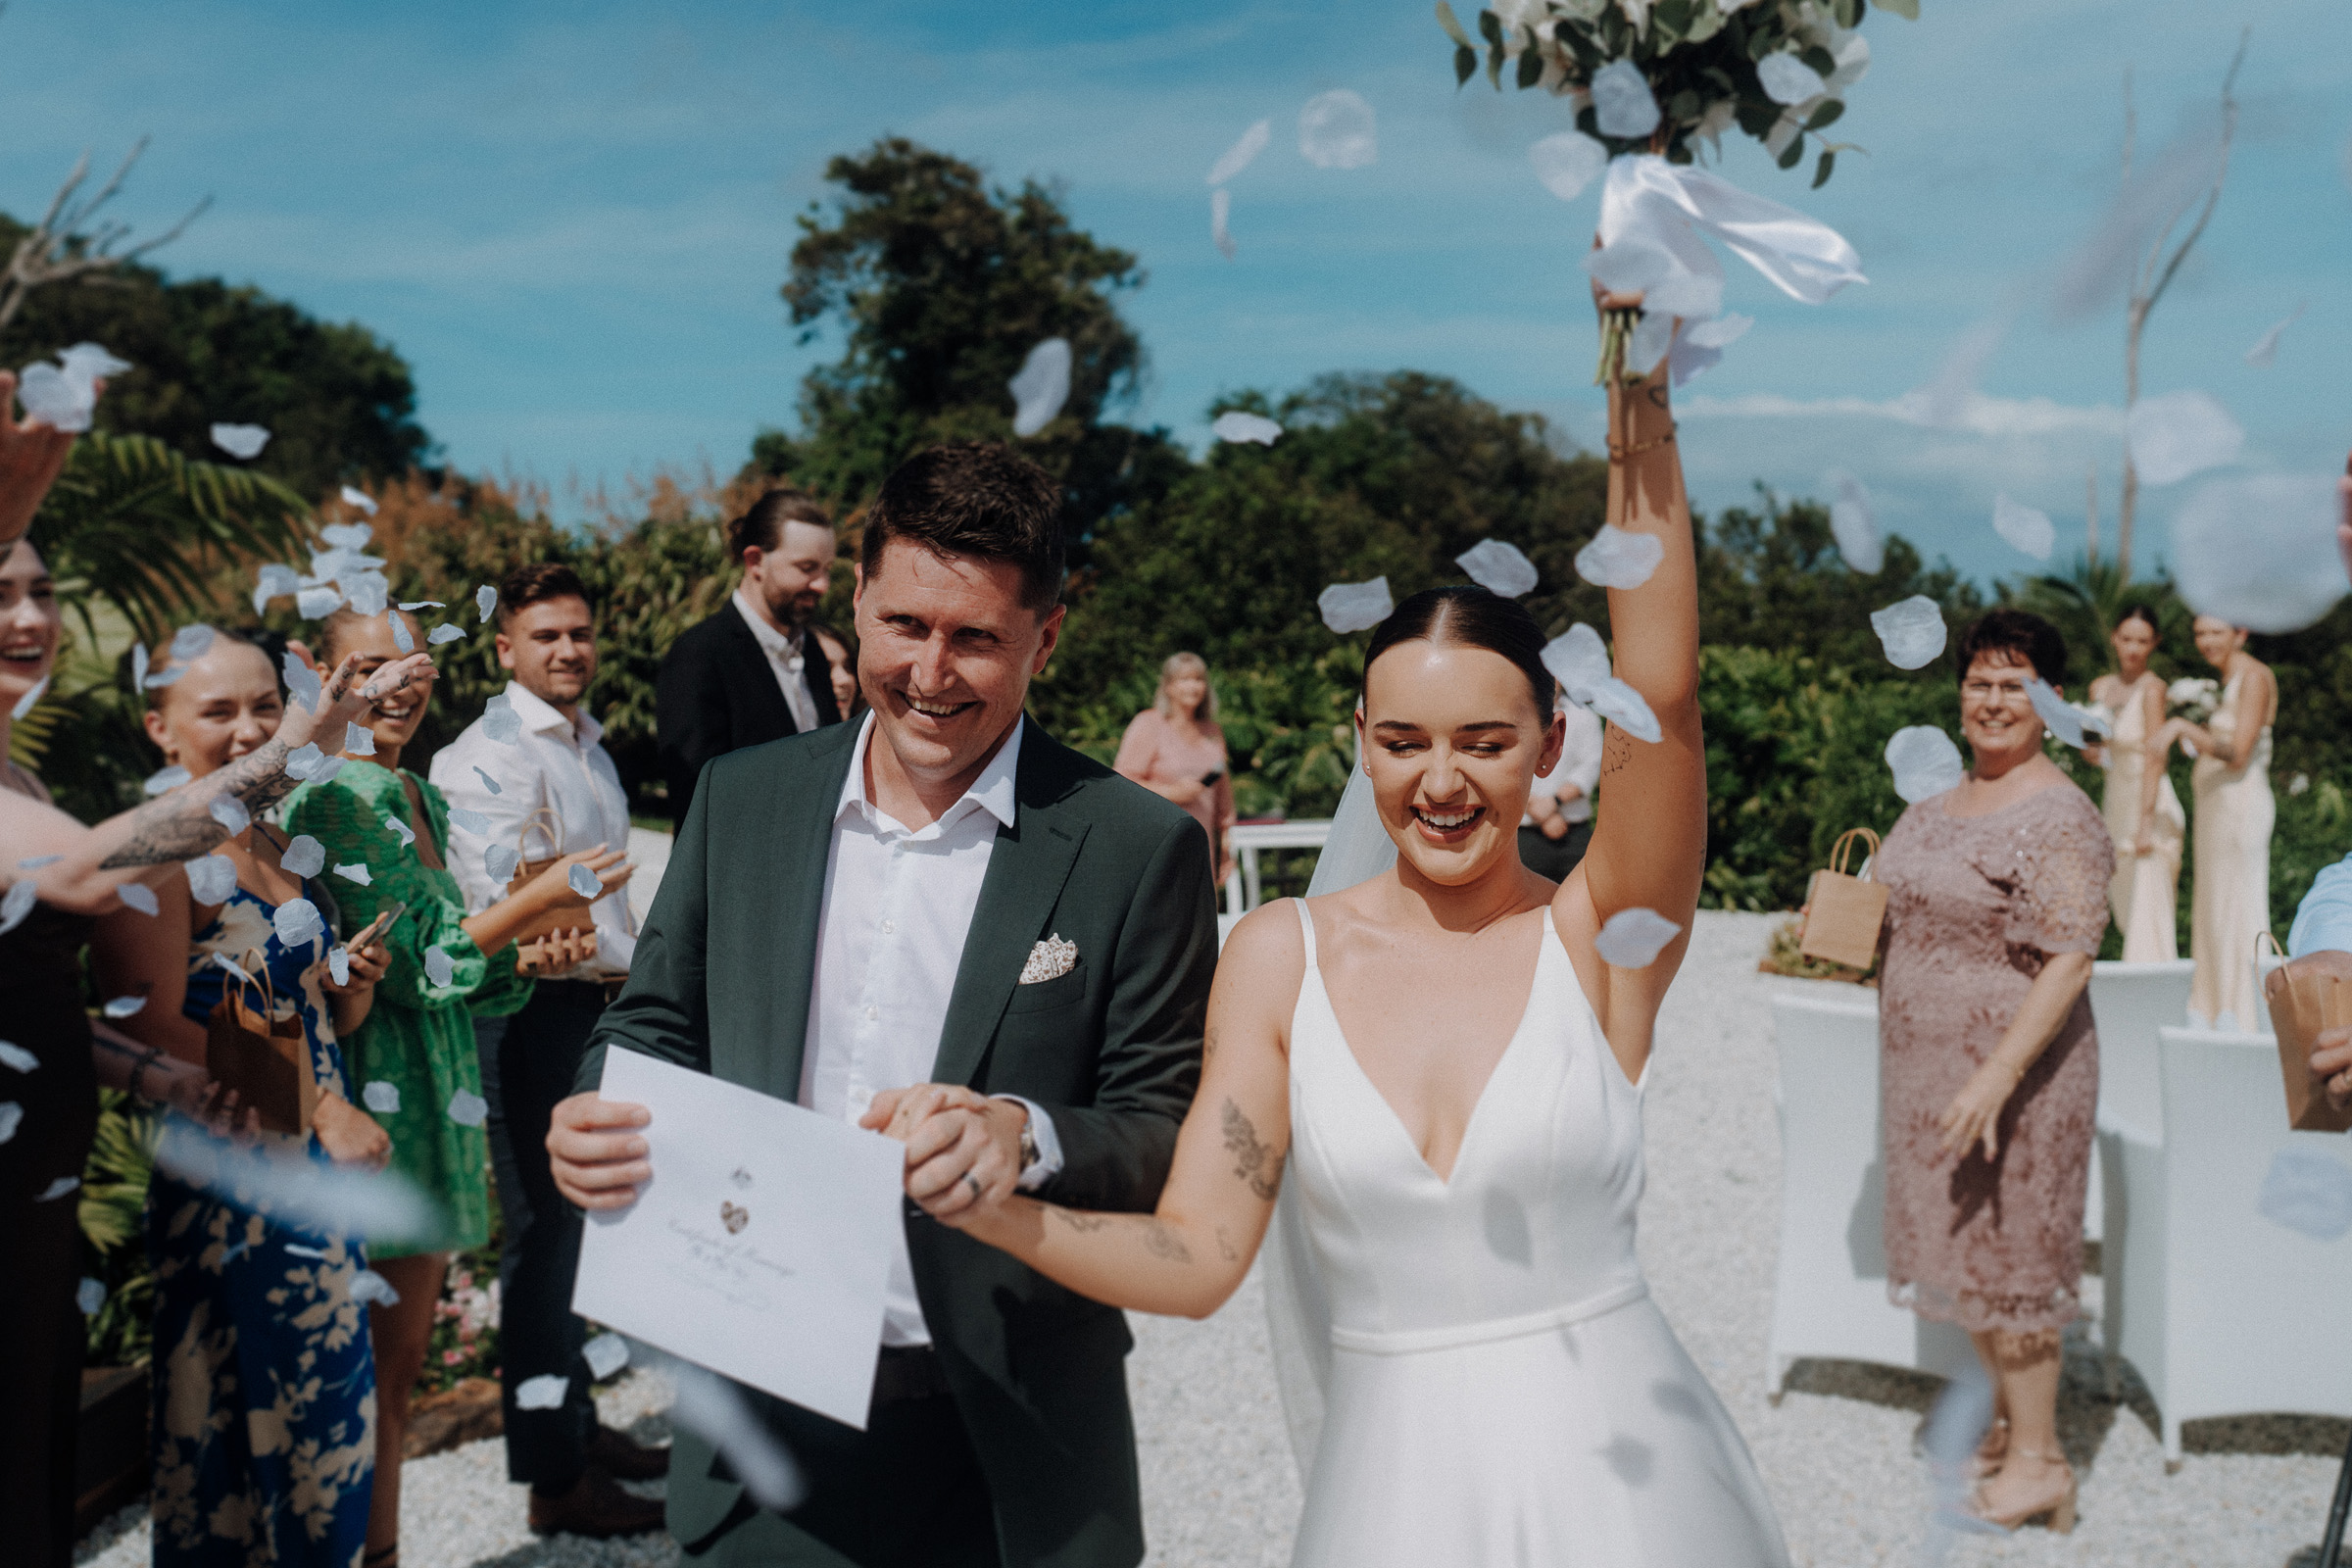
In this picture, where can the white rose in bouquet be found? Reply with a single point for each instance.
(2192, 698)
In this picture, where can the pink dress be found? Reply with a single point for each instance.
(1975, 906)
(1156, 752)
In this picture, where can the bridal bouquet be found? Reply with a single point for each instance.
(1652, 80)
(2192, 698)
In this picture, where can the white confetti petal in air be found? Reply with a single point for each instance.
(1337, 130)
(324, 773)
(543, 1393)
(488, 783)
(297, 1250)
(400, 633)
(2025, 527)
(2308, 1192)
(604, 1354)
(2265, 352)
(1243, 153)
(1911, 630)
(223, 962)
(242, 441)
(1786, 80)
(368, 593)
(1238, 424)
(1619, 557)
(17, 903)
(470, 821)
(138, 666)
(710, 1407)
(500, 721)
(211, 878)
(377, 1204)
(409, 607)
(140, 897)
(1621, 105)
(273, 582)
(1567, 163)
(400, 830)
(584, 882)
(191, 642)
(381, 1096)
(368, 1286)
(439, 967)
(338, 964)
(1925, 762)
(357, 871)
(123, 1006)
(465, 1107)
(2062, 718)
(1855, 525)
(231, 813)
(317, 604)
(167, 677)
(347, 535)
(2180, 434)
(485, 600)
(16, 1056)
(1040, 386)
(58, 1188)
(1698, 347)
(91, 359)
(1579, 662)
(1356, 605)
(357, 742)
(1499, 567)
(303, 682)
(499, 859)
(297, 922)
(304, 856)
(1220, 223)
(33, 862)
(360, 499)
(1633, 939)
(443, 633)
(2259, 551)
(32, 699)
(90, 1295)
(1955, 1426)
(55, 398)
(11, 1114)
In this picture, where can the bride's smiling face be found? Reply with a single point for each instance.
(1451, 737)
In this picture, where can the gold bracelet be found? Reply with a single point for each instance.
(1621, 454)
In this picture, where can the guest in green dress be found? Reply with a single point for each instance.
(391, 827)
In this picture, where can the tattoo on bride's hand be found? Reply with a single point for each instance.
(1252, 1161)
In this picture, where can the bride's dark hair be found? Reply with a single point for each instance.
(1467, 618)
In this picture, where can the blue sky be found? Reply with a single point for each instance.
(572, 219)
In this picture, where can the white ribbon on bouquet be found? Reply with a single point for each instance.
(1655, 221)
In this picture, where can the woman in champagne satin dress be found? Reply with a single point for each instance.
(2144, 815)
(2231, 908)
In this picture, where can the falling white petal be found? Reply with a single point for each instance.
(1855, 526)
(2024, 527)
(89, 360)
(357, 871)
(297, 1250)
(241, 440)
(360, 499)
(710, 1408)
(1220, 221)
(470, 821)
(465, 1107)
(367, 592)
(123, 1006)
(377, 1204)
(1040, 387)
(317, 604)
(2265, 352)
(439, 966)
(138, 666)
(1698, 347)
(1653, 336)
(30, 700)
(297, 922)
(347, 535)
(1619, 557)
(57, 1187)
(273, 582)
(305, 856)
(1567, 163)
(11, 1114)
(1633, 939)
(2259, 551)
(399, 829)
(2061, 717)
(191, 642)
(1242, 153)
(368, 1286)
(326, 771)
(2182, 434)
(543, 1393)
(443, 633)
(338, 964)
(138, 895)
(500, 721)
(231, 813)
(499, 859)
(51, 396)
(1911, 630)
(90, 1295)
(409, 607)
(400, 633)
(33, 862)
(584, 882)
(1238, 424)
(1622, 104)
(381, 1096)
(485, 600)
(165, 778)
(1579, 662)
(301, 681)
(1925, 762)
(16, 1056)
(2308, 1193)
(1335, 130)
(1787, 80)
(357, 742)
(488, 783)
(1356, 605)
(223, 962)
(1499, 567)
(605, 1355)
(211, 878)
(17, 903)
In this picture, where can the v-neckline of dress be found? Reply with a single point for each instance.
(1510, 1049)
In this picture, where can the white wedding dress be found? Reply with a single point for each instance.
(1474, 1372)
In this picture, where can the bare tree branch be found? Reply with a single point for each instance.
(64, 245)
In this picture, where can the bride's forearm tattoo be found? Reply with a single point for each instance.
(180, 825)
(1161, 1242)
(1083, 1224)
(1225, 1247)
(1252, 1161)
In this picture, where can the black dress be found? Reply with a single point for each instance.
(54, 1109)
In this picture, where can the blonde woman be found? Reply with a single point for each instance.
(1175, 750)
(2236, 812)
(2144, 815)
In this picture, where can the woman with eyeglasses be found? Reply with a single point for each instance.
(1988, 1064)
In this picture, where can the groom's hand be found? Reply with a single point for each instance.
(595, 1153)
(962, 1148)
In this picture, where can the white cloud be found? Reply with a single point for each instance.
(1979, 414)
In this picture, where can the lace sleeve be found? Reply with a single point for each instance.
(2068, 859)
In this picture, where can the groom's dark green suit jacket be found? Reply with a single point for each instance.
(1112, 1050)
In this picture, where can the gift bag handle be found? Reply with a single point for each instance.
(553, 828)
(257, 975)
(1843, 850)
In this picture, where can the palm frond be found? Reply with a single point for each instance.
(139, 525)
(29, 738)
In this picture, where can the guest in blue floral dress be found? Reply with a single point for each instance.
(263, 1427)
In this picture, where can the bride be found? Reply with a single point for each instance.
(1450, 1075)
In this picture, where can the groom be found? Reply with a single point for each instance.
(943, 894)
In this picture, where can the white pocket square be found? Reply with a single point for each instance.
(1049, 960)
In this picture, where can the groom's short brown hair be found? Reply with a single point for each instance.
(974, 497)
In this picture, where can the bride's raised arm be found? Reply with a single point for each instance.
(1650, 846)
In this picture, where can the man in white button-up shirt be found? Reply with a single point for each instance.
(497, 792)
(942, 912)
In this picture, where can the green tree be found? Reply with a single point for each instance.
(337, 400)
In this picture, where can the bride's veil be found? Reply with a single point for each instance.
(1297, 1308)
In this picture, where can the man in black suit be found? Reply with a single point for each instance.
(752, 672)
(942, 894)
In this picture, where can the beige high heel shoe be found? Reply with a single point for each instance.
(2059, 1503)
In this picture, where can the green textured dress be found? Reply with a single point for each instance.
(419, 1037)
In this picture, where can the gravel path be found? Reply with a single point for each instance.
(1220, 1492)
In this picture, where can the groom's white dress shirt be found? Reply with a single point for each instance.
(898, 905)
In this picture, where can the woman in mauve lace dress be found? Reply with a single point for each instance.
(1997, 899)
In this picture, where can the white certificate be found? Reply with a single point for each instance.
(762, 1246)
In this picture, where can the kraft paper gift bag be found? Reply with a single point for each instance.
(1843, 912)
(265, 1059)
(2301, 1006)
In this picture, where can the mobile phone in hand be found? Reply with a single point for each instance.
(377, 926)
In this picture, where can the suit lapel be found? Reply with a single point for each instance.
(1026, 870)
(755, 682)
(802, 838)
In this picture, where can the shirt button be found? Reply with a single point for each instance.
(874, 1013)
(889, 927)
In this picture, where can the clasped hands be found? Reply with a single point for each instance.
(964, 1150)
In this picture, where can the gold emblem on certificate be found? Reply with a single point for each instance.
(734, 1216)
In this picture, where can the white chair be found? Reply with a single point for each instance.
(2221, 1311)
(1245, 841)
(1829, 1297)
(2128, 1004)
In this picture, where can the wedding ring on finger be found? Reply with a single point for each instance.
(973, 1182)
